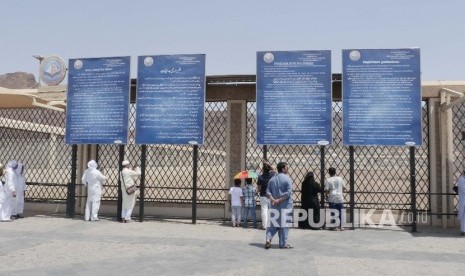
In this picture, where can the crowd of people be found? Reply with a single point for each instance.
(277, 211)
(274, 188)
(12, 191)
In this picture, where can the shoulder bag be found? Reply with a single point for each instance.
(131, 189)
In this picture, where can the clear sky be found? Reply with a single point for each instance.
(230, 32)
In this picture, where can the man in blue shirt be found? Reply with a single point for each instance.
(279, 192)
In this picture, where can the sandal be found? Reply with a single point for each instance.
(287, 246)
(267, 245)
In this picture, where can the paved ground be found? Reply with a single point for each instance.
(50, 245)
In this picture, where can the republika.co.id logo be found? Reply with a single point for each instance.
(371, 218)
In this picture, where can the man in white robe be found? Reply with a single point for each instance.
(9, 201)
(2, 194)
(127, 180)
(20, 187)
(461, 186)
(93, 180)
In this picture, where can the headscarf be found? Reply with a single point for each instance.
(12, 164)
(92, 164)
(309, 178)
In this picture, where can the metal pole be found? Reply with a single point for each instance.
(194, 184)
(142, 183)
(120, 195)
(352, 185)
(265, 152)
(463, 160)
(72, 185)
(322, 180)
(97, 155)
(413, 188)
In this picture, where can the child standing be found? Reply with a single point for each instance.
(236, 196)
(249, 202)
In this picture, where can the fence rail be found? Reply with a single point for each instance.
(381, 173)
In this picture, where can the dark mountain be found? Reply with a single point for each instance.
(18, 80)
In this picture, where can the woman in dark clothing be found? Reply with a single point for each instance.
(310, 202)
(262, 185)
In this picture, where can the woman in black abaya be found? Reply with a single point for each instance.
(310, 203)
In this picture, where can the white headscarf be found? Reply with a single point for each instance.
(92, 164)
(12, 164)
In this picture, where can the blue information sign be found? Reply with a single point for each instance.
(381, 97)
(97, 105)
(170, 99)
(294, 97)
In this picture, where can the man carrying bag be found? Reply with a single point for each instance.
(129, 189)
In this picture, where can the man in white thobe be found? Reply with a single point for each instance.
(9, 201)
(20, 187)
(93, 180)
(2, 194)
(461, 186)
(127, 180)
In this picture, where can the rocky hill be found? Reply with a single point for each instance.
(18, 80)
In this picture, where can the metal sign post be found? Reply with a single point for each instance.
(142, 183)
(413, 192)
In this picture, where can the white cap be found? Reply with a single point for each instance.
(125, 163)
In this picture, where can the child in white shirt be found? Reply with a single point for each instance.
(236, 196)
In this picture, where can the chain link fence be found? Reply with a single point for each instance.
(35, 137)
(382, 174)
(458, 128)
(169, 168)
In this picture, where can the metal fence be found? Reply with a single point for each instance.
(458, 128)
(382, 174)
(36, 137)
(169, 168)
